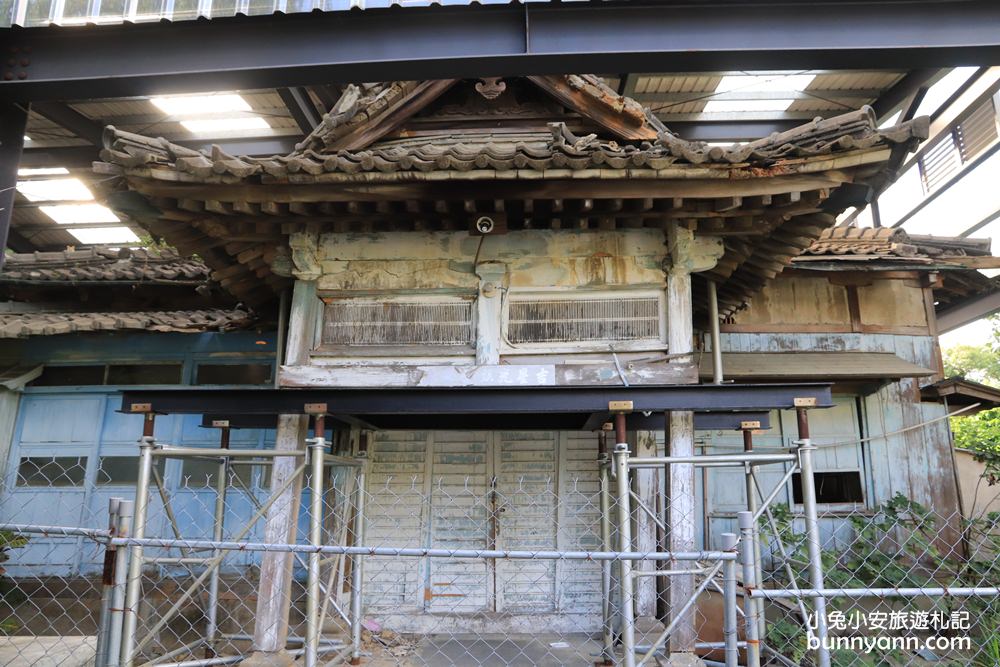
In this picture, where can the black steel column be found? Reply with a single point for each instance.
(13, 121)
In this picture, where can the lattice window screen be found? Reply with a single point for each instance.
(563, 320)
(358, 322)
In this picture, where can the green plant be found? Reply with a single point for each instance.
(9, 593)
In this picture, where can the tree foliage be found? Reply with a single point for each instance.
(979, 433)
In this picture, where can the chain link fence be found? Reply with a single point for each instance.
(522, 567)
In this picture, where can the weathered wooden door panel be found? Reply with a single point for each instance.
(526, 468)
(460, 519)
(398, 478)
(579, 523)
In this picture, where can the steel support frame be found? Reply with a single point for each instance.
(13, 122)
(493, 40)
(498, 402)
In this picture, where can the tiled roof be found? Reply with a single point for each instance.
(893, 242)
(20, 325)
(104, 265)
(531, 151)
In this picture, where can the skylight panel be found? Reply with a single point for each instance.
(758, 83)
(943, 89)
(723, 106)
(195, 105)
(75, 214)
(43, 171)
(55, 189)
(104, 236)
(225, 124)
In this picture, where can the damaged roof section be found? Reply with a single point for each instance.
(140, 265)
(893, 243)
(554, 152)
(113, 289)
(33, 323)
(958, 262)
(554, 148)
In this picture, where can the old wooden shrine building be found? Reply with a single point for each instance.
(475, 269)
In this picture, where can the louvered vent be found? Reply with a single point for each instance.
(939, 162)
(370, 323)
(609, 318)
(977, 131)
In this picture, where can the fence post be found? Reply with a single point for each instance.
(625, 544)
(806, 449)
(218, 532)
(749, 604)
(134, 583)
(729, 629)
(123, 526)
(607, 635)
(357, 563)
(752, 506)
(107, 582)
(317, 451)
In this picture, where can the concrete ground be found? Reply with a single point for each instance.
(59, 651)
(495, 651)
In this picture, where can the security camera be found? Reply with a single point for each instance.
(484, 225)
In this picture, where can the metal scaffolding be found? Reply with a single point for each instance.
(119, 642)
(745, 547)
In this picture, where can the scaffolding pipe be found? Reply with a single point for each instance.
(123, 525)
(713, 323)
(218, 534)
(174, 451)
(729, 629)
(357, 563)
(419, 552)
(750, 608)
(607, 634)
(317, 447)
(805, 452)
(186, 595)
(737, 459)
(939, 591)
(97, 534)
(753, 506)
(107, 585)
(685, 608)
(134, 582)
(626, 611)
(783, 552)
(765, 506)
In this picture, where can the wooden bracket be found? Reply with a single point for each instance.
(315, 408)
(804, 402)
(140, 407)
(749, 425)
(220, 423)
(620, 406)
(607, 426)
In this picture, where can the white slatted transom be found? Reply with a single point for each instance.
(419, 321)
(610, 317)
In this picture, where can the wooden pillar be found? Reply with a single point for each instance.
(274, 592)
(647, 483)
(13, 120)
(687, 254)
(491, 276)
